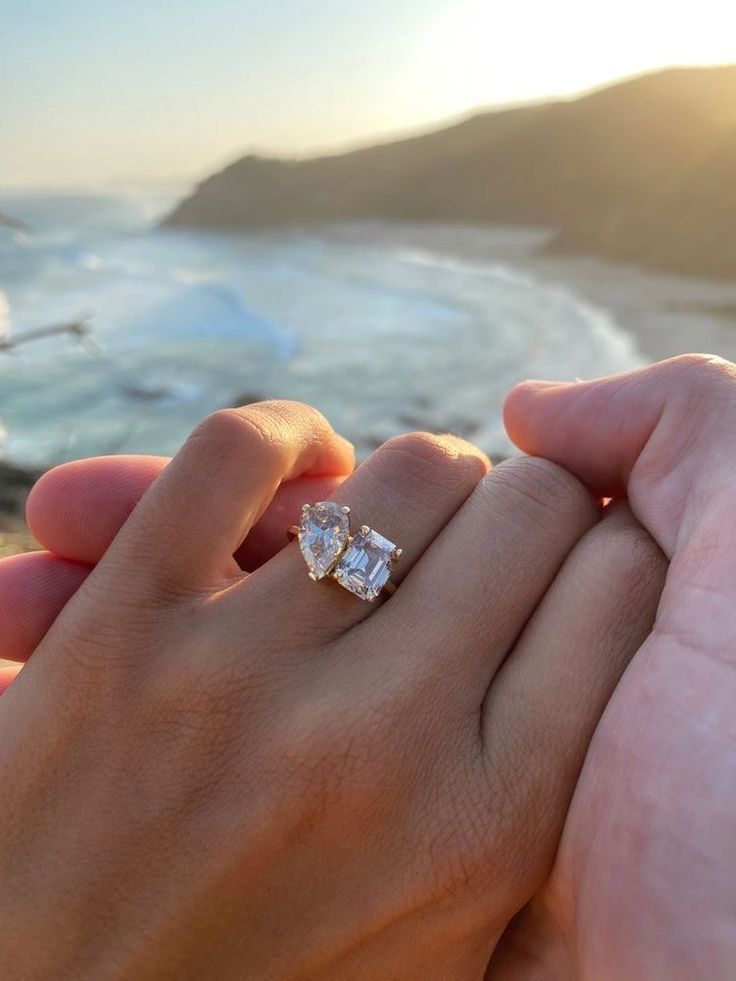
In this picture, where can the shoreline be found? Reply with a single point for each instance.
(665, 315)
(661, 314)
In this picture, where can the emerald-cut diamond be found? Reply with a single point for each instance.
(323, 534)
(365, 566)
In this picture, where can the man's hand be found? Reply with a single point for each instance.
(644, 883)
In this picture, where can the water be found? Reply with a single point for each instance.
(381, 338)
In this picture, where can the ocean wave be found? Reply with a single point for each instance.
(601, 320)
(380, 338)
(493, 270)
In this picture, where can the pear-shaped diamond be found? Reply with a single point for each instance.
(323, 534)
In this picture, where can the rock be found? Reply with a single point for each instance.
(15, 483)
(14, 223)
(247, 398)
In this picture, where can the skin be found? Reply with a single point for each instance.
(75, 511)
(643, 885)
(210, 761)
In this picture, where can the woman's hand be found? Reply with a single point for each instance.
(644, 885)
(216, 775)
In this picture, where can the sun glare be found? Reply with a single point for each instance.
(480, 53)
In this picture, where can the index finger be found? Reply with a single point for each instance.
(202, 506)
(76, 509)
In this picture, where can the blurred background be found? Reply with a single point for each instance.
(393, 211)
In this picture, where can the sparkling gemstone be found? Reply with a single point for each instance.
(323, 532)
(365, 566)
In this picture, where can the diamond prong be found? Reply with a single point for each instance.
(396, 554)
(305, 508)
(345, 509)
(365, 530)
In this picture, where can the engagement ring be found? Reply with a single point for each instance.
(361, 563)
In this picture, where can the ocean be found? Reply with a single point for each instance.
(382, 337)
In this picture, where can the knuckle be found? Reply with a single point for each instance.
(221, 427)
(290, 409)
(624, 550)
(282, 418)
(422, 449)
(434, 460)
(540, 487)
(240, 431)
(701, 372)
(265, 431)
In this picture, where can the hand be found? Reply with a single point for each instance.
(644, 884)
(216, 775)
(75, 511)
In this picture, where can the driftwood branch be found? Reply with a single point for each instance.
(15, 223)
(79, 329)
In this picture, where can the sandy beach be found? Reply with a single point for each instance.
(666, 315)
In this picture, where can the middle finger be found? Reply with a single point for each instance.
(463, 606)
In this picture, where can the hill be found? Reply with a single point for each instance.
(642, 170)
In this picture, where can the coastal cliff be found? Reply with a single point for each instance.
(642, 171)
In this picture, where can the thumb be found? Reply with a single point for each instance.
(660, 434)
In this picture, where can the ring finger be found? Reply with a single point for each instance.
(406, 491)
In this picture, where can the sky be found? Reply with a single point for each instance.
(105, 91)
